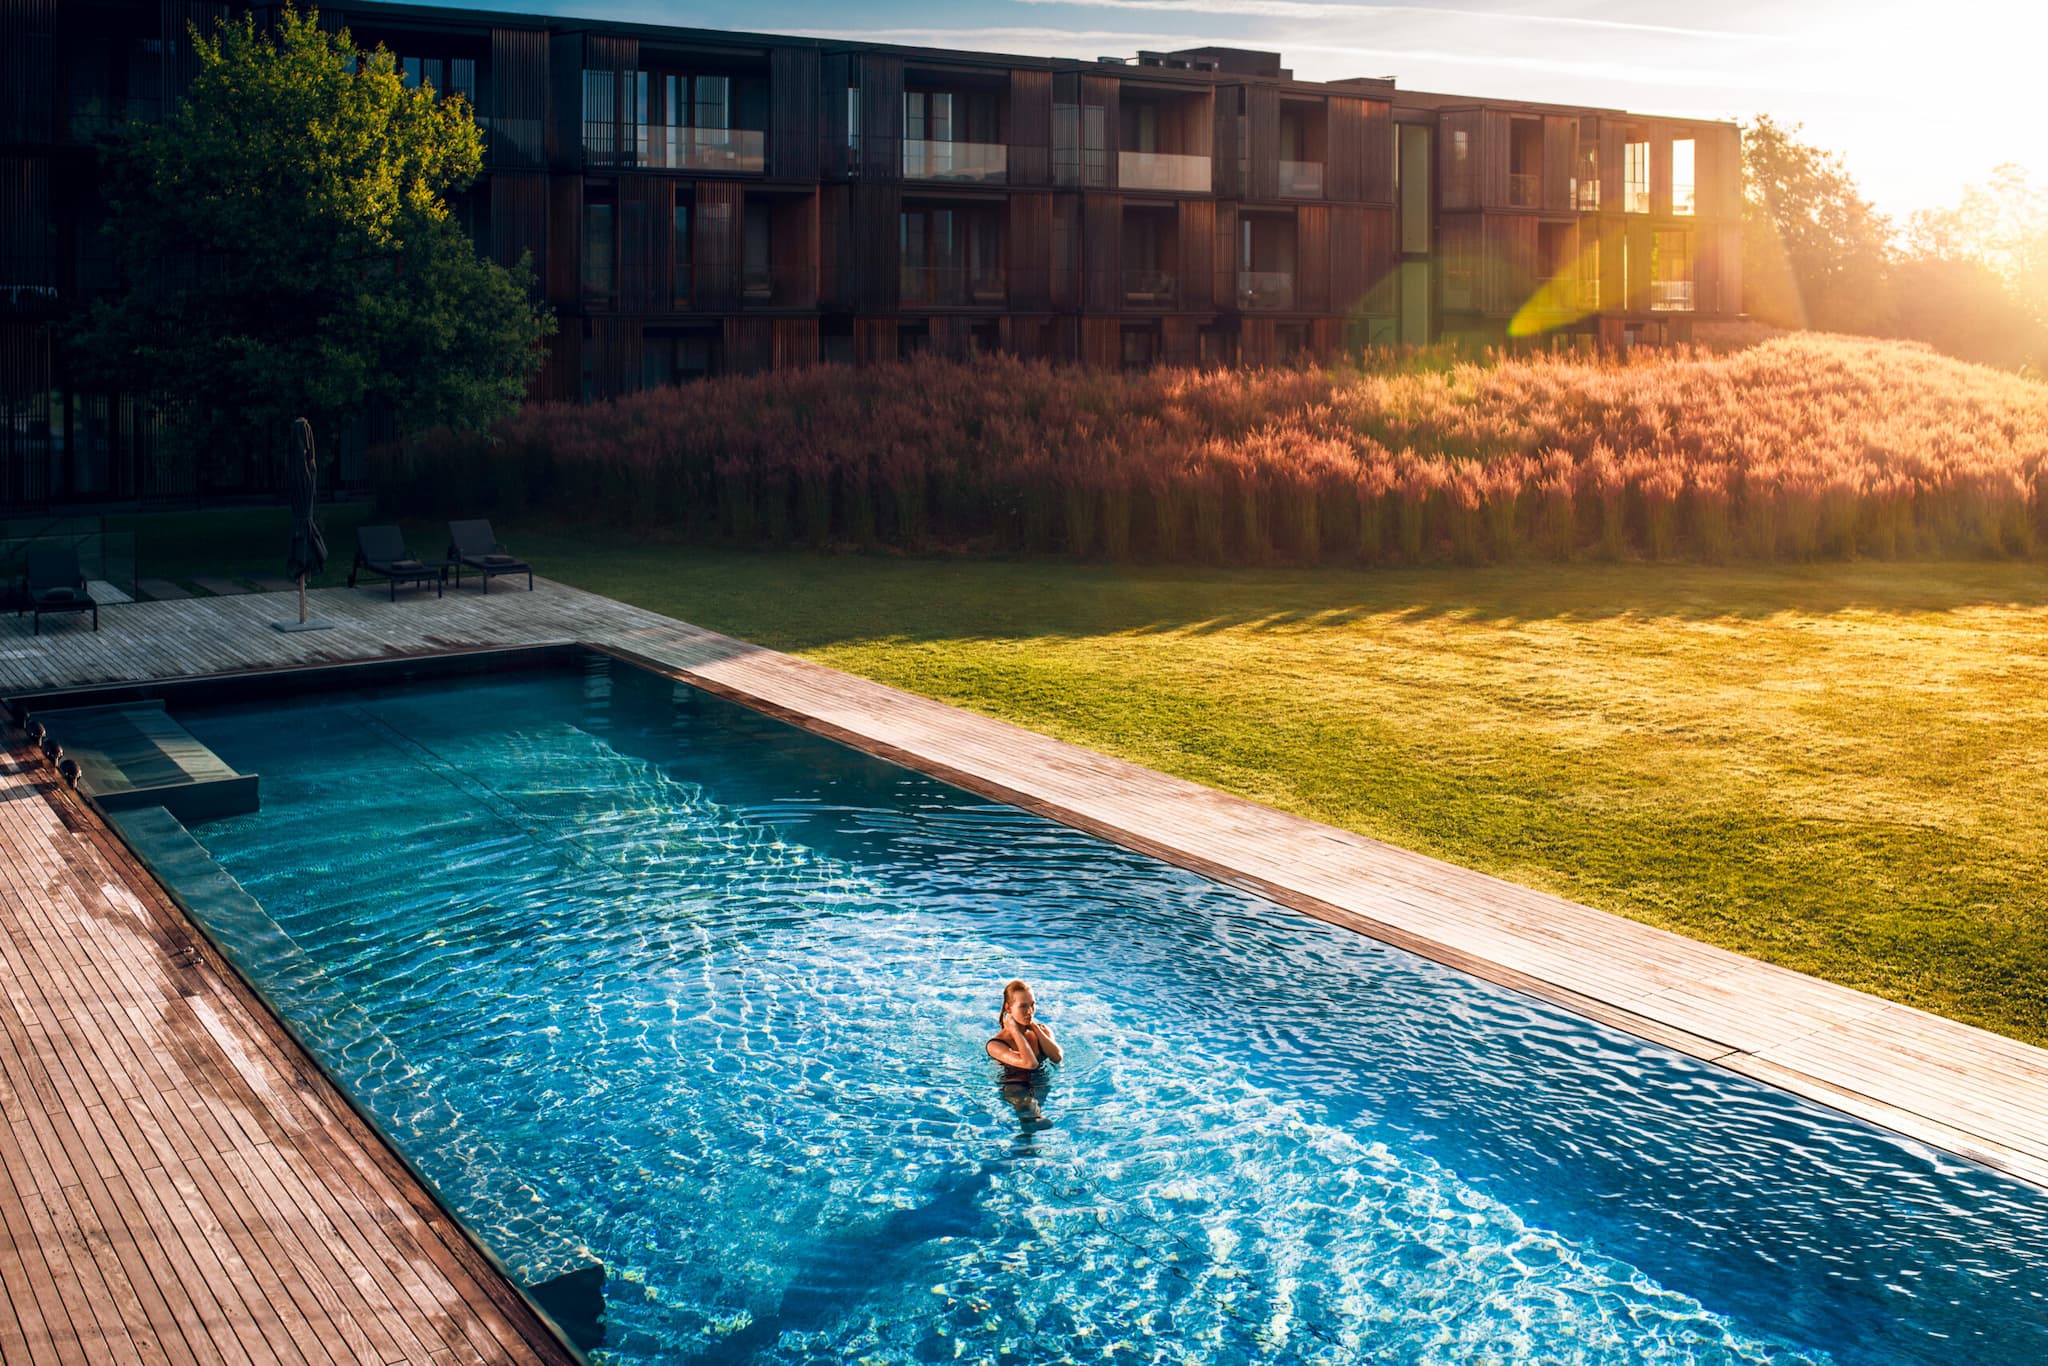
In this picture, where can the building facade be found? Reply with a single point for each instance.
(700, 202)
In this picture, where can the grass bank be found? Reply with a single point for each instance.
(1834, 767)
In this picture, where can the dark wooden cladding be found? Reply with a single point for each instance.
(565, 89)
(1225, 259)
(793, 113)
(877, 248)
(1376, 153)
(25, 376)
(1225, 181)
(837, 271)
(519, 218)
(1343, 171)
(881, 117)
(26, 257)
(874, 340)
(1312, 258)
(1101, 342)
(1458, 186)
(794, 342)
(715, 242)
(643, 244)
(1660, 177)
(1102, 226)
(1614, 136)
(565, 241)
(1030, 252)
(1350, 271)
(1376, 251)
(1030, 130)
(1197, 244)
(749, 344)
(515, 110)
(180, 19)
(1262, 133)
(1492, 158)
(793, 251)
(1180, 341)
(1719, 160)
(1560, 150)
(1066, 253)
(28, 36)
(835, 78)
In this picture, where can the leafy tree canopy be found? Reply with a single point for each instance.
(286, 248)
(1814, 251)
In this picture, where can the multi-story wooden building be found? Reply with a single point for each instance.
(697, 202)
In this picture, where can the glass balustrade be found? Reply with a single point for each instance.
(1162, 171)
(977, 163)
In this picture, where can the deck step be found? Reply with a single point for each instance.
(136, 754)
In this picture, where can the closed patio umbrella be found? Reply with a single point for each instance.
(308, 552)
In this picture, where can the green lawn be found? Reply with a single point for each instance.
(1841, 768)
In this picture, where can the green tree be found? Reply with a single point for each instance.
(1997, 237)
(286, 249)
(1814, 251)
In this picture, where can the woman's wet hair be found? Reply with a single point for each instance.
(1016, 984)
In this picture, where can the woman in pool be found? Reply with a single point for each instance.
(1021, 1040)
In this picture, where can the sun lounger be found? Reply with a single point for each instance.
(474, 544)
(381, 552)
(55, 583)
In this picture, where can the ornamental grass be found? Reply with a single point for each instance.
(1802, 447)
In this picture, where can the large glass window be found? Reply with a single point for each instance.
(1635, 177)
(600, 112)
(1682, 193)
(1586, 177)
(1671, 272)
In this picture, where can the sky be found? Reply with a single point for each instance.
(1919, 98)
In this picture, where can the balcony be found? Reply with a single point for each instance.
(708, 149)
(973, 163)
(1635, 198)
(1525, 191)
(1162, 171)
(1671, 296)
(954, 287)
(1258, 289)
(757, 286)
(1301, 180)
(1150, 288)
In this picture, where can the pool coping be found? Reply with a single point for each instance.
(1961, 1090)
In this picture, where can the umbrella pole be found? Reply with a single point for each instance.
(302, 599)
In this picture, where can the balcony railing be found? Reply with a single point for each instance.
(954, 286)
(1265, 289)
(1586, 194)
(1671, 296)
(980, 163)
(1162, 171)
(1525, 191)
(1301, 179)
(1149, 288)
(680, 149)
(1635, 198)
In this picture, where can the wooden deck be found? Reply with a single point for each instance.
(182, 1184)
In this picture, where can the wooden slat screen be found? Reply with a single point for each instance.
(1225, 259)
(27, 60)
(1102, 252)
(1224, 178)
(1312, 257)
(1343, 166)
(565, 241)
(795, 343)
(1066, 252)
(643, 274)
(835, 71)
(516, 116)
(25, 384)
(715, 244)
(1101, 342)
(1376, 153)
(1104, 93)
(1458, 188)
(1262, 132)
(874, 341)
(519, 217)
(749, 345)
(1030, 132)
(877, 246)
(1560, 150)
(836, 267)
(565, 81)
(1180, 341)
(881, 117)
(793, 114)
(1660, 172)
(1030, 252)
(793, 251)
(1350, 272)
(1197, 242)
(1491, 150)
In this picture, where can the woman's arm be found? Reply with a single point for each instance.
(1042, 1039)
(1013, 1047)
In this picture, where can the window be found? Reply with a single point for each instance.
(600, 255)
(448, 75)
(1682, 198)
(1635, 177)
(1586, 178)
(1589, 272)
(1066, 130)
(1094, 146)
(853, 125)
(1671, 272)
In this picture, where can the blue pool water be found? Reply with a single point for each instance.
(630, 971)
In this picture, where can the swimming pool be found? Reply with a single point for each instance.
(625, 968)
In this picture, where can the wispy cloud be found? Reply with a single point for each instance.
(1312, 9)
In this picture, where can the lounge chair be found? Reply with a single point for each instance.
(56, 584)
(380, 551)
(474, 544)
